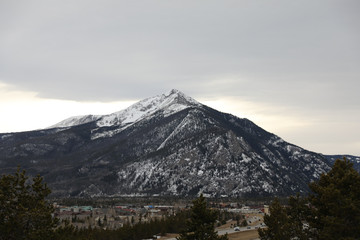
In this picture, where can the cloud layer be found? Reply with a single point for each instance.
(297, 58)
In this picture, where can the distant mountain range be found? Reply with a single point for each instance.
(169, 144)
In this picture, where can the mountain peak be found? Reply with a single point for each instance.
(174, 91)
(169, 103)
(178, 97)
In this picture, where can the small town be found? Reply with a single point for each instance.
(235, 217)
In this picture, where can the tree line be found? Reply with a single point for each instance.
(331, 211)
(26, 214)
(142, 230)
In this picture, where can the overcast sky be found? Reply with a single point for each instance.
(292, 67)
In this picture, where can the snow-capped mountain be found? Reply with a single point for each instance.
(78, 120)
(170, 103)
(169, 144)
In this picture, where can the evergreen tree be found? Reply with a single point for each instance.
(335, 203)
(24, 212)
(331, 211)
(277, 223)
(200, 226)
(298, 212)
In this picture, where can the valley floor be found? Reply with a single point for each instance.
(245, 235)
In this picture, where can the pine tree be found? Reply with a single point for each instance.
(24, 211)
(277, 223)
(335, 203)
(298, 212)
(331, 211)
(200, 226)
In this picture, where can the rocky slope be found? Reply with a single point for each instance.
(354, 159)
(165, 145)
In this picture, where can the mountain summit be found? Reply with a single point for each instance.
(170, 103)
(164, 145)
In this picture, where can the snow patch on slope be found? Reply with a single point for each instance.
(170, 103)
(167, 104)
(77, 120)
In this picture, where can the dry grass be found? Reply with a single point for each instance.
(227, 225)
(246, 235)
(169, 235)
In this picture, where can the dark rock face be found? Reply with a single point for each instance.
(167, 145)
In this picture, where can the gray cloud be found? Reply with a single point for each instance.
(302, 55)
(58, 48)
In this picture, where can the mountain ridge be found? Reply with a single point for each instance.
(164, 145)
(135, 111)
